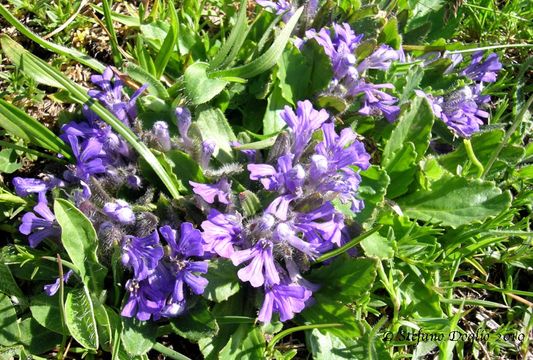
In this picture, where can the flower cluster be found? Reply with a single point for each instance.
(301, 222)
(463, 110)
(349, 75)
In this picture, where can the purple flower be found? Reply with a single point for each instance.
(285, 234)
(483, 71)
(322, 226)
(88, 157)
(26, 186)
(141, 254)
(160, 130)
(208, 148)
(221, 232)
(287, 300)
(303, 124)
(456, 60)
(39, 227)
(262, 267)
(144, 300)
(184, 119)
(182, 268)
(380, 59)
(278, 7)
(221, 190)
(285, 178)
(375, 101)
(120, 211)
(51, 289)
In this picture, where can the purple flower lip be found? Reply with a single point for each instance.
(208, 192)
(39, 227)
(120, 211)
(141, 254)
(51, 289)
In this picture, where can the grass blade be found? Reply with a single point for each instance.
(167, 49)
(58, 49)
(117, 57)
(265, 61)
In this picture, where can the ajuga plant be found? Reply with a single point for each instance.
(303, 175)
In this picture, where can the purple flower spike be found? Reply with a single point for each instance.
(221, 232)
(262, 267)
(483, 71)
(287, 300)
(183, 115)
(120, 211)
(51, 289)
(183, 269)
(303, 124)
(221, 190)
(160, 130)
(39, 227)
(141, 254)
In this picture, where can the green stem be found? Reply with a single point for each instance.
(347, 246)
(169, 352)
(389, 286)
(507, 136)
(61, 354)
(473, 158)
(63, 262)
(7, 144)
(492, 47)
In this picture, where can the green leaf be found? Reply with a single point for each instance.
(79, 239)
(196, 324)
(70, 53)
(455, 201)
(229, 50)
(37, 339)
(169, 44)
(8, 161)
(247, 342)
(223, 281)
(347, 278)
(198, 86)
(140, 75)
(401, 170)
(372, 191)
(185, 168)
(268, 59)
(8, 285)
(80, 319)
(389, 34)
(9, 329)
(107, 322)
(137, 337)
(272, 122)
(212, 125)
(45, 309)
(378, 246)
(418, 295)
(18, 123)
(81, 95)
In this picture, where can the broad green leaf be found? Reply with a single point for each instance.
(247, 342)
(272, 122)
(8, 161)
(196, 324)
(82, 97)
(37, 339)
(79, 239)
(389, 34)
(229, 50)
(198, 86)
(70, 53)
(378, 246)
(107, 322)
(45, 309)
(413, 125)
(223, 281)
(268, 59)
(455, 201)
(137, 337)
(401, 170)
(418, 295)
(8, 285)
(347, 278)
(80, 318)
(185, 168)
(142, 76)
(10, 332)
(212, 125)
(20, 124)
(372, 191)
